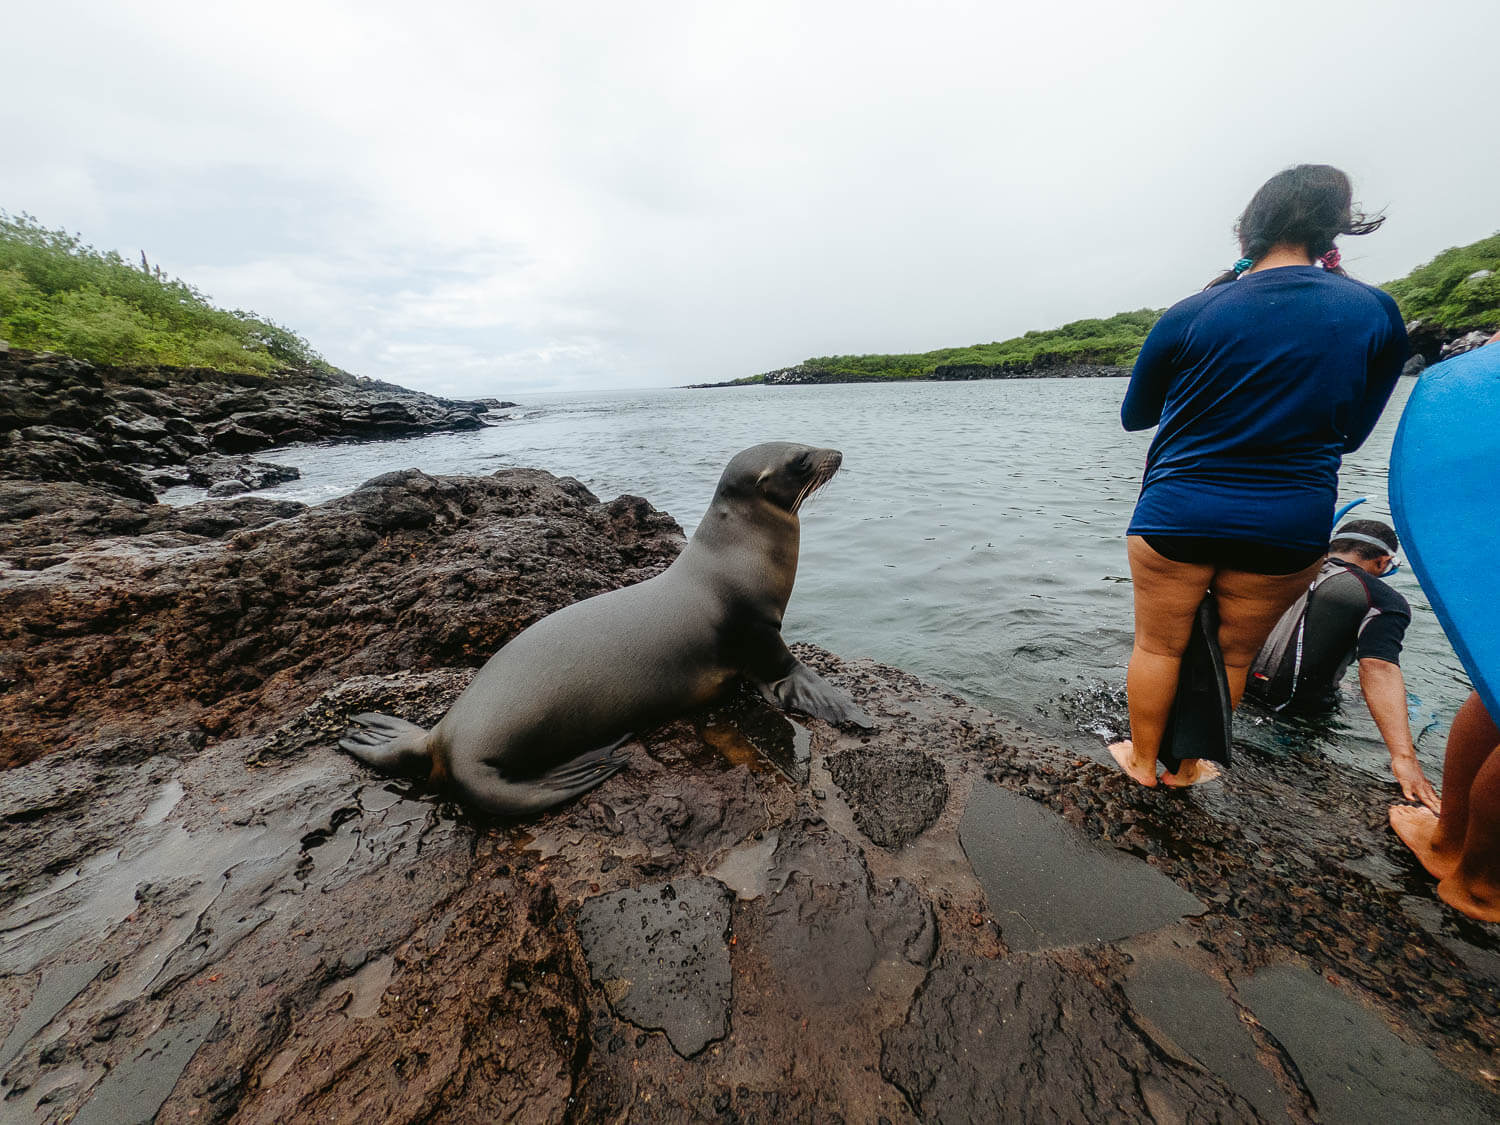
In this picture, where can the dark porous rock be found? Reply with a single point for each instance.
(1079, 366)
(65, 419)
(897, 792)
(1431, 342)
(1465, 343)
(209, 469)
(1414, 366)
(216, 616)
(54, 454)
(1036, 1039)
(231, 437)
(49, 515)
(661, 953)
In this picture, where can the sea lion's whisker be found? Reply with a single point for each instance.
(801, 496)
(822, 476)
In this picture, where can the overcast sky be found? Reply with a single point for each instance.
(497, 197)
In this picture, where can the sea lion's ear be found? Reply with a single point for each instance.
(764, 475)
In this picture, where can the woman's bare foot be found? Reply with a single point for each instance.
(1125, 756)
(1416, 826)
(1475, 901)
(1192, 771)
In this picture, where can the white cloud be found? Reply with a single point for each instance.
(467, 196)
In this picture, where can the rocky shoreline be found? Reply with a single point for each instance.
(208, 913)
(136, 431)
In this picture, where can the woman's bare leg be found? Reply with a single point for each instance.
(1469, 793)
(1249, 607)
(1474, 886)
(1167, 595)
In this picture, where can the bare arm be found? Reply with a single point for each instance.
(1385, 695)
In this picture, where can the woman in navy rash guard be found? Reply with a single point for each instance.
(1257, 386)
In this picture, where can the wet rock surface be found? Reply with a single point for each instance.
(1191, 1016)
(210, 470)
(1355, 1068)
(1038, 1039)
(1049, 885)
(661, 953)
(125, 430)
(208, 913)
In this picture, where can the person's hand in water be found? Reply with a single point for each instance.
(1414, 783)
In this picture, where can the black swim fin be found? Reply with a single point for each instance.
(1200, 724)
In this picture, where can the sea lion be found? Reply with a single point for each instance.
(545, 718)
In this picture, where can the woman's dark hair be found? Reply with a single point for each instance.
(1307, 205)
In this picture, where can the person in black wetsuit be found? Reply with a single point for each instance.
(1348, 613)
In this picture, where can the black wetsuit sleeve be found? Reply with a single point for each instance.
(1151, 376)
(1384, 370)
(1384, 628)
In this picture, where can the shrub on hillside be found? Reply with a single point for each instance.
(1457, 291)
(57, 293)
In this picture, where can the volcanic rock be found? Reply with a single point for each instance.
(209, 913)
(64, 419)
(223, 617)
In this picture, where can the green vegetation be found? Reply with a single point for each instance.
(1112, 341)
(1444, 294)
(59, 294)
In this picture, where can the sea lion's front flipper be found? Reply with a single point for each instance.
(804, 690)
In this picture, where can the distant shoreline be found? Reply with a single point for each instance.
(804, 376)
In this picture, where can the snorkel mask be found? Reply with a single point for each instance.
(1385, 549)
(1371, 540)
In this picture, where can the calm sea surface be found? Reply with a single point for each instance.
(975, 535)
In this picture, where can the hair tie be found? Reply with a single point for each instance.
(1242, 265)
(1331, 259)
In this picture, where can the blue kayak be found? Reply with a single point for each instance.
(1445, 497)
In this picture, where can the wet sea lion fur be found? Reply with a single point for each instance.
(545, 719)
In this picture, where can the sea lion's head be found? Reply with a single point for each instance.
(779, 473)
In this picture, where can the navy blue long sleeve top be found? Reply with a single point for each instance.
(1258, 388)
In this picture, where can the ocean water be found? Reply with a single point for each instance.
(975, 535)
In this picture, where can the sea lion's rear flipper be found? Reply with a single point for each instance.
(524, 797)
(389, 744)
(1199, 725)
(804, 690)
